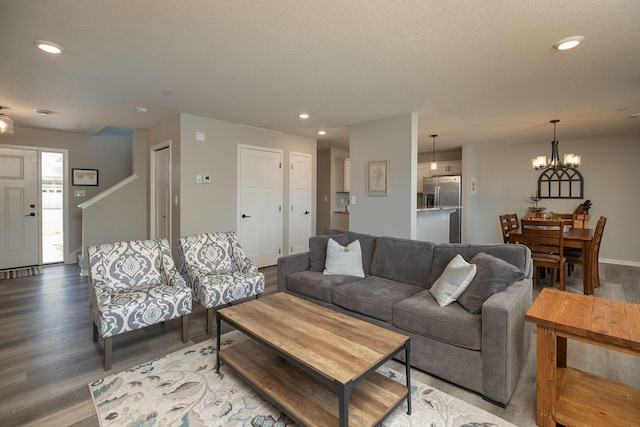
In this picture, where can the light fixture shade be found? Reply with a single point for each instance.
(539, 162)
(6, 125)
(434, 166)
(572, 160)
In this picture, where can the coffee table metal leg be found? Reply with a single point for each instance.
(217, 342)
(343, 404)
(407, 350)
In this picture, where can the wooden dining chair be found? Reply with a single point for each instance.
(505, 227)
(545, 239)
(575, 256)
(513, 221)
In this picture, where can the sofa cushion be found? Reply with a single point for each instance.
(367, 244)
(513, 254)
(316, 285)
(318, 249)
(453, 281)
(373, 296)
(493, 275)
(343, 260)
(403, 260)
(452, 324)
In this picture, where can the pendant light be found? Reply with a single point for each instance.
(434, 165)
(570, 160)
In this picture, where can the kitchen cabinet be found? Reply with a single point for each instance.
(341, 173)
(447, 167)
(347, 180)
(423, 170)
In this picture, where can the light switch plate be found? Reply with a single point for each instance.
(199, 136)
(199, 179)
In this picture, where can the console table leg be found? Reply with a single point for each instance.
(546, 366)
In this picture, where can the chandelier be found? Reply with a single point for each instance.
(6, 124)
(570, 160)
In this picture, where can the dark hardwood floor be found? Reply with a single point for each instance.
(47, 356)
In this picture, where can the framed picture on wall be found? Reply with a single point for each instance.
(84, 177)
(378, 178)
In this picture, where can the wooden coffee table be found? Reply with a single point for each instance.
(317, 365)
(569, 396)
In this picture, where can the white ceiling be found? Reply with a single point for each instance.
(475, 71)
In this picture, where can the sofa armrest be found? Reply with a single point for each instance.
(505, 340)
(291, 264)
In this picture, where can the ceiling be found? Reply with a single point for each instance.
(475, 71)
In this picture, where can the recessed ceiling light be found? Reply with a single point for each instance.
(42, 112)
(568, 43)
(322, 132)
(49, 47)
(635, 116)
(303, 116)
(142, 109)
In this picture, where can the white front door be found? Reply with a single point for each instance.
(300, 181)
(260, 204)
(19, 208)
(162, 194)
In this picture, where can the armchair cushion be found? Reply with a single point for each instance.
(135, 284)
(217, 269)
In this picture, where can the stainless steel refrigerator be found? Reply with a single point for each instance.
(445, 192)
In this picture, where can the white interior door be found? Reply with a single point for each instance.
(19, 208)
(260, 204)
(162, 194)
(300, 181)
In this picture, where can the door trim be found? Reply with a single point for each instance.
(152, 189)
(280, 152)
(69, 254)
(309, 178)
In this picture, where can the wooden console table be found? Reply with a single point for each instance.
(569, 396)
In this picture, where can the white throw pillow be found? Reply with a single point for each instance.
(453, 281)
(344, 260)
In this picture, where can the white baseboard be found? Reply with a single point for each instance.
(619, 262)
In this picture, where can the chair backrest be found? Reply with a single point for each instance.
(513, 221)
(543, 236)
(208, 251)
(122, 265)
(594, 250)
(505, 227)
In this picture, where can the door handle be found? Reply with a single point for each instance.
(31, 214)
(246, 216)
(306, 212)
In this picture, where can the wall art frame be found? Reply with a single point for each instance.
(84, 177)
(378, 178)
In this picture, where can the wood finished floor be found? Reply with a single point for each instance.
(47, 356)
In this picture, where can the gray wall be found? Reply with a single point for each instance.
(505, 180)
(394, 139)
(110, 154)
(213, 207)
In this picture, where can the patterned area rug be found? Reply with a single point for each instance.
(183, 389)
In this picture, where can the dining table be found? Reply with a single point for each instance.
(573, 238)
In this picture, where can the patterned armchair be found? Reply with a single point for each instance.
(218, 271)
(133, 285)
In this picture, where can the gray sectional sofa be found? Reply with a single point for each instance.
(482, 352)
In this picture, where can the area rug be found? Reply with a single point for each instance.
(183, 389)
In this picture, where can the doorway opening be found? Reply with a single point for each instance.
(52, 187)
